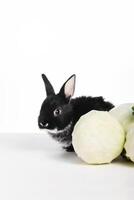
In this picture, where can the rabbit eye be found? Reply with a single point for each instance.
(57, 112)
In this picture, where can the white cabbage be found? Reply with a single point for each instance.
(129, 144)
(98, 137)
(124, 115)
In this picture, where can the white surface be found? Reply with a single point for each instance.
(94, 39)
(32, 166)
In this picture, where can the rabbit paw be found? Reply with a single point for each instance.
(69, 148)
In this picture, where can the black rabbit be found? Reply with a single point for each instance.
(59, 113)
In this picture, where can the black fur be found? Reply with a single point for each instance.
(71, 110)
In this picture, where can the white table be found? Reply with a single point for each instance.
(34, 167)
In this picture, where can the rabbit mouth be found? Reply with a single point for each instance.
(56, 131)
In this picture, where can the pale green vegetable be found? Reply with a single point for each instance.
(129, 144)
(98, 137)
(125, 115)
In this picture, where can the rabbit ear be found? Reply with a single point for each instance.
(48, 86)
(68, 88)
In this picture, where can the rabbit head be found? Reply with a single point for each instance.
(56, 110)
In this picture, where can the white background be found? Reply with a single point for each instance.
(95, 40)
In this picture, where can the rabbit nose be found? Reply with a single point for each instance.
(43, 124)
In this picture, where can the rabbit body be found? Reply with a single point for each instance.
(81, 106)
(59, 113)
